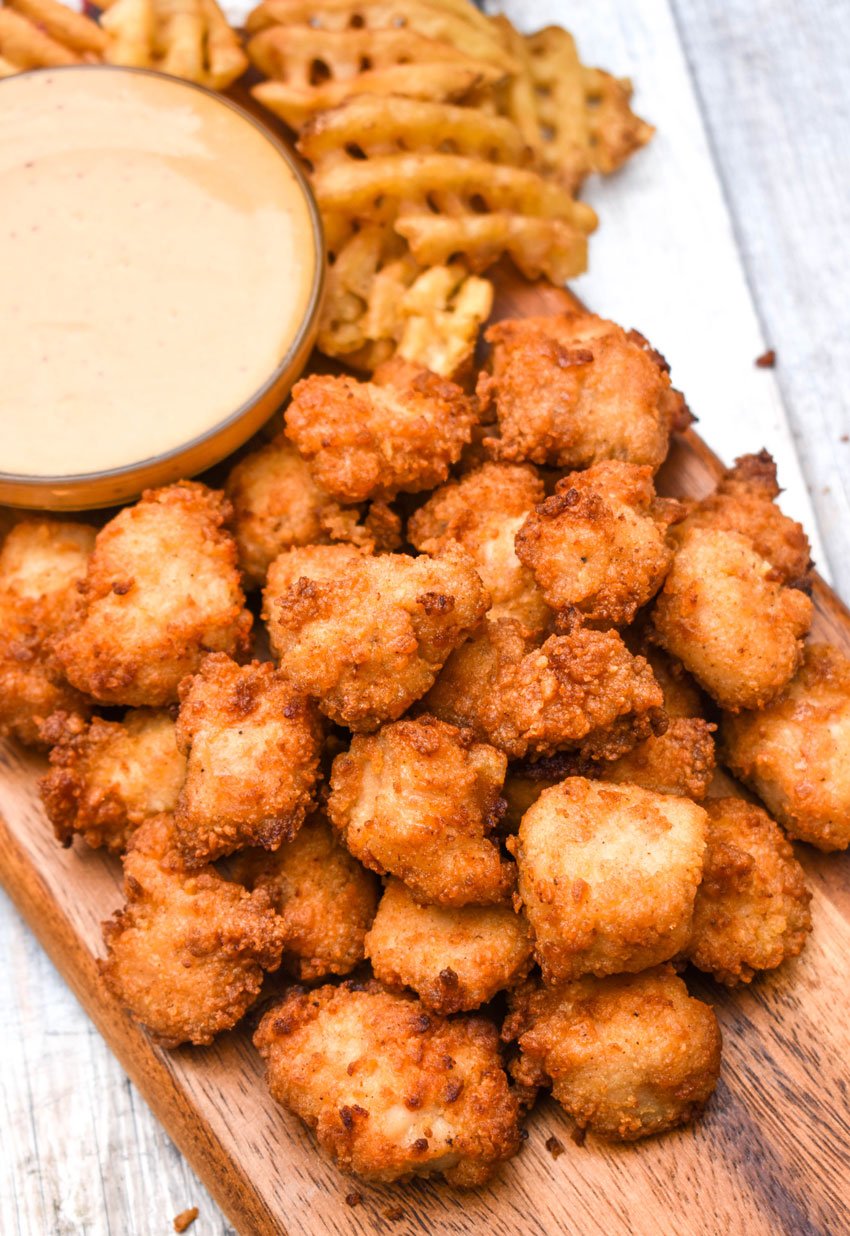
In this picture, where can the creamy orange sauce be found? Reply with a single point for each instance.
(156, 262)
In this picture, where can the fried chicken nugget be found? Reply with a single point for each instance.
(42, 561)
(752, 907)
(391, 1090)
(454, 959)
(608, 875)
(573, 389)
(162, 590)
(401, 432)
(626, 1056)
(277, 506)
(483, 512)
(745, 502)
(366, 636)
(597, 545)
(795, 754)
(186, 954)
(419, 799)
(583, 691)
(729, 621)
(106, 778)
(325, 898)
(252, 743)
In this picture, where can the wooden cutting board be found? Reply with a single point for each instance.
(771, 1156)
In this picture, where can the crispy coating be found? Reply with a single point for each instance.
(573, 389)
(583, 691)
(752, 907)
(106, 778)
(745, 501)
(729, 621)
(419, 799)
(162, 590)
(186, 954)
(41, 563)
(483, 512)
(252, 741)
(608, 876)
(391, 1090)
(795, 754)
(277, 505)
(597, 545)
(679, 761)
(326, 899)
(367, 635)
(399, 433)
(682, 696)
(626, 1056)
(454, 959)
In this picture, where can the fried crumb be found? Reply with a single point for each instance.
(767, 360)
(353, 1198)
(185, 1219)
(393, 1213)
(555, 1147)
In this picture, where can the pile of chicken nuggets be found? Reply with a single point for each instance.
(453, 836)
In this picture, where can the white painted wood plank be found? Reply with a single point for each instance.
(775, 84)
(665, 259)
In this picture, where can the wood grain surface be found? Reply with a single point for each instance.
(771, 1156)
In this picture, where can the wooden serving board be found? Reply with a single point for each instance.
(771, 1156)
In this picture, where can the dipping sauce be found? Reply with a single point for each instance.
(158, 259)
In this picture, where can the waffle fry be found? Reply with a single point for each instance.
(36, 34)
(313, 70)
(443, 311)
(456, 25)
(576, 119)
(449, 179)
(186, 38)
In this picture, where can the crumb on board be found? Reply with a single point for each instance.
(555, 1147)
(185, 1219)
(579, 1136)
(393, 1213)
(767, 360)
(353, 1198)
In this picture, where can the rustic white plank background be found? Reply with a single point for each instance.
(728, 235)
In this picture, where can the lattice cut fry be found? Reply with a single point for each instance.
(186, 38)
(457, 25)
(41, 34)
(576, 119)
(368, 274)
(315, 69)
(451, 181)
(443, 311)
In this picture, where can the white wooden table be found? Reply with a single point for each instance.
(724, 238)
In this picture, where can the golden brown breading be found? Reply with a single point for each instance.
(162, 590)
(367, 635)
(608, 876)
(389, 1089)
(744, 501)
(679, 761)
(399, 433)
(626, 1056)
(583, 691)
(729, 621)
(795, 754)
(573, 389)
(682, 696)
(752, 907)
(482, 512)
(107, 777)
(252, 741)
(598, 543)
(420, 799)
(41, 563)
(326, 899)
(455, 960)
(187, 953)
(277, 505)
